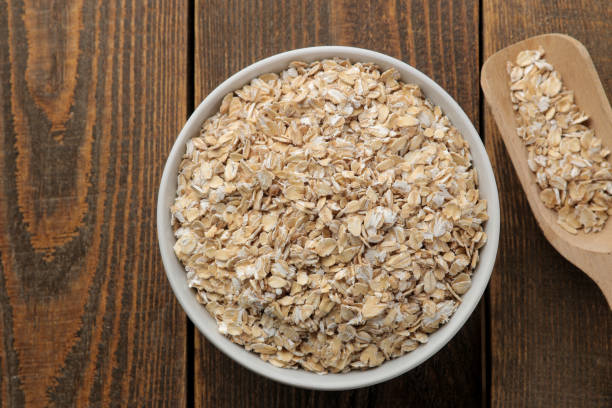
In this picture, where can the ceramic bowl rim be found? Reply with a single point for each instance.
(301, 378)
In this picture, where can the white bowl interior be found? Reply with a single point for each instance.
(301, 378)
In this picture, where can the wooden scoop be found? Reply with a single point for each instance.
(590, 252)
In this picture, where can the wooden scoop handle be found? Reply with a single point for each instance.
(599, 268)
(597, 265)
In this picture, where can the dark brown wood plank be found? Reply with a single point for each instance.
(436, 38)
(92, 95)
(551, 327)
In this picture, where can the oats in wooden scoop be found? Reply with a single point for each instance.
(568, 159)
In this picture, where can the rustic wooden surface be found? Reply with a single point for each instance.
(551, 328)
(93, 95)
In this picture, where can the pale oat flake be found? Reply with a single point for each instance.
(569, 161)
(329, 216)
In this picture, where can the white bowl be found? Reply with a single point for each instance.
(301, 378)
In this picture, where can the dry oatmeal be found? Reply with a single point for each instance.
(568, 159)
(328, 216)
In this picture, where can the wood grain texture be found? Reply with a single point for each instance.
(435, 37)
(550, 325)
(92, 95)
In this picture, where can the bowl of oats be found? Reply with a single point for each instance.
(328, 217)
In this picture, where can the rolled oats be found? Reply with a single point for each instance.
(328, 216)
(569, 161)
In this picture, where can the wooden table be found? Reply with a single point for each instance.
(94, 93)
